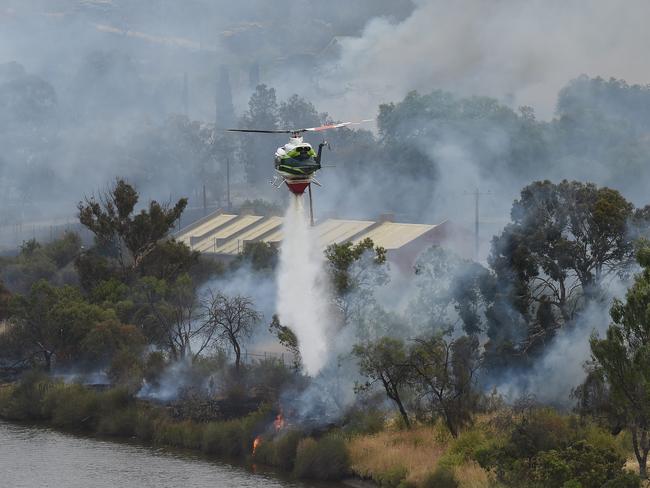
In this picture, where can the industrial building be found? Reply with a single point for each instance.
(224, 235)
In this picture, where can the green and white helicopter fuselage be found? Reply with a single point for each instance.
(297, 159)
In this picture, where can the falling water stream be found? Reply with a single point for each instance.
(302, 292)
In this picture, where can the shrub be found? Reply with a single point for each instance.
(325, 459)
(234, 438)
(25, 400)
(126, 369)
(145, 424)
(542, 430)
(224, 439)
(72, 407)
(115, 399)
(154, 367)
(365, 422)
(624, 480)
(441, 478)
(178, 434)
(121, 422)
(285, 447)
(590, 466)
(391, 478)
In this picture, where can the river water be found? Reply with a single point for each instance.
(37, 457)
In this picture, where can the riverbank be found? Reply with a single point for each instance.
(498, 449)
(116, 413)
(35, 455)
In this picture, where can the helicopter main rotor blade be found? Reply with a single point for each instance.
(280, 131)
(334, 126)
(300, 131)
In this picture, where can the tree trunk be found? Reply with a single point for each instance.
(450, 424)
(643, 463)
(393, 394)
(237, 349)
(47, 355)
(402, 411)
(641, 449)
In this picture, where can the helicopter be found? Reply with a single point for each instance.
(296, 162)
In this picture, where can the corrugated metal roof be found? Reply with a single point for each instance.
(227, 233)
(212, 242)
(336, 231)
(235, 245)
(391, 235)
(205, 227)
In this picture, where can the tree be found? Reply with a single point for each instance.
(233, 320)
(171, 259)
(287, 338)
(385, 361)
(129, 237)
(564, 240)
(256, 151)
(444, 374)
(225, 112)
(52, 323)
(354, 271)
(261, 256)
(36, 261)
(296, 113)
(450, 290)
(623, 358)
(171, 316)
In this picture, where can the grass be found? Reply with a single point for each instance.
(412, 456)
(416, 451)
(471, 475)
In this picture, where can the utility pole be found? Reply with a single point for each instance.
(205, 202)
(228, 184)
(477, 195)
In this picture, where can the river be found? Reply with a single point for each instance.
(38, 457)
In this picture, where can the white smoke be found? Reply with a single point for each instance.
(519, 52)
(302, 302)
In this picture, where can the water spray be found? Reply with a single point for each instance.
(302, 301)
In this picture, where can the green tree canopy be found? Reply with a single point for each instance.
(563, 240)
(623, 358)
(122, 233)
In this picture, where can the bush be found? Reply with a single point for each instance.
(72, 407)
(119, 423)
(624, 480)
(325, 459)
(365, 422)
(126, 369)
(284, 449)
(470, 445)
(154, 367)
(224, 439)
(145, 424)
(25, 400)
(185, 434)
(234, 438)
(542, 430)
(590, 466)
(391, 478)
(441, 478)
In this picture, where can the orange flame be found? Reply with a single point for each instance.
(256, 443)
